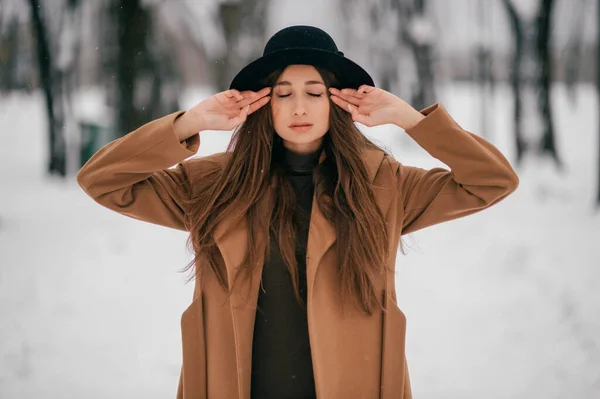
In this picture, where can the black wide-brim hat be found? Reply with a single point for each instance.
(306, 45)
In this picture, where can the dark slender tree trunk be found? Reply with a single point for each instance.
(8, 58)
(239, 18)
(573, 67)
(386, 70)
(131, 33)
(484, 74)
(231, 19)
(516, 76)
(425, 93)
(57, 147)
(544, 53)
(598, 91)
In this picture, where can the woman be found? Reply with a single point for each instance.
(296, 226)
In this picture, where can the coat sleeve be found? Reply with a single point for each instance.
(133, 175)
(479, 174)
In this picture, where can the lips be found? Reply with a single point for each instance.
(301, 127)
(301, 124)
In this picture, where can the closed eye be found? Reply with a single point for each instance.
(310, 94)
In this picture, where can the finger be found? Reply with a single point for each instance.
(252, 96)
(233, 93)
(340, 102)
(240, 118)
(248, 93)
(353, 94)
(264, 91)
(348, 98)
(261, 93)
(348, 92)
(258, 104)
(358, 117)
(363, 91)
(249, 98)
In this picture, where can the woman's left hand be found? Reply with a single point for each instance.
(372, 106)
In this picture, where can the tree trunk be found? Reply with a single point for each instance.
(484, 73)
(9, 43)
(131, 31)
(598, 91)
(575, 50)
(245, 19)
(548, 143)
(425, 94)
(516, 76)
(57, 147)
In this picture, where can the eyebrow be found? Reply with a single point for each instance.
(308, 82)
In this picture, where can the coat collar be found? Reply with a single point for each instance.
(231, 234)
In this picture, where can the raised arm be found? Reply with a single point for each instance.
(479, 174)
(133, 176)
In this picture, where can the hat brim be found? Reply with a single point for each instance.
(349, 74)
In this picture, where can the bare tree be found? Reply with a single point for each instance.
(397, 31)
(385, 53)
(139, 66)
(545, 57)
(244, 28)
(531, 74)
(55, 26)
(420, 37)
(9, 42)
(132, 23)
(483, 74)
(574, 51)
(57, 147)
(598, 89)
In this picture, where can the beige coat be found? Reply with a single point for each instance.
(354, 356)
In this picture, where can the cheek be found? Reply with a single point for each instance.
(277, 114)
(324, 114)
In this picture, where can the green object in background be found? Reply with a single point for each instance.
(93, 137)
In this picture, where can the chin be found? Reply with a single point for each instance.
(302, 138)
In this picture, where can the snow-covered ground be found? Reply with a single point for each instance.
(502, 304)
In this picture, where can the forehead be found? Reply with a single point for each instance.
(299, 74)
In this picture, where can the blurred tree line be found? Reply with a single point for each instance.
(140, 52)
(143, 52)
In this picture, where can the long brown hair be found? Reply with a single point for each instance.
(343, 193)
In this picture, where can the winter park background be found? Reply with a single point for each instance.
(501, 304)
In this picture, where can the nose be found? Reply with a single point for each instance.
(299, 108)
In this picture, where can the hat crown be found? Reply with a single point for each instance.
(301, 45)
(300, 36)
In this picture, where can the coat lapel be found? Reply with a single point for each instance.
(231, 237)
(321, 232)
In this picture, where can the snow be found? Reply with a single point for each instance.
(499, 304)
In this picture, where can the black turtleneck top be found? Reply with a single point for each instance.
(281, 357)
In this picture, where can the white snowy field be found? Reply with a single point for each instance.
(502, 304)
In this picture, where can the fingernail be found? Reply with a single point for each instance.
(350, 107)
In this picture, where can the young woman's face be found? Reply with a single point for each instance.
(300, 106)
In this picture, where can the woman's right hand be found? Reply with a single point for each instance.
(222, 111)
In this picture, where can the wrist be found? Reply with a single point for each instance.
(408, 118)
(183, 127)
